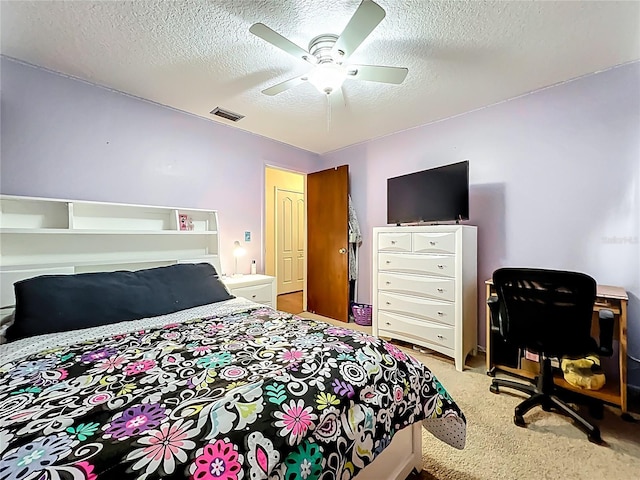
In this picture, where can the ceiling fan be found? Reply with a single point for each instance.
(328, 54)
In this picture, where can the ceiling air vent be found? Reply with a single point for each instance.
(221, 112)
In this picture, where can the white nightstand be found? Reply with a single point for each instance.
(257, 288)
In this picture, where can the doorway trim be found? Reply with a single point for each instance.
(268, 166)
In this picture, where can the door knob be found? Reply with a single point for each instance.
(342, 251)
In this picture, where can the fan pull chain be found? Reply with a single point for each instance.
(328, 114)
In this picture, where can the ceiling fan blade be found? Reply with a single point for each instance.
(367, 17)
(377, 73)
(286, 85)
(277, 40)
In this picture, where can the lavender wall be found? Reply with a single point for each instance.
(68, 139)
(555, 181)
(555, 176)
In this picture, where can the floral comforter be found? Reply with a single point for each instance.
(225, 391)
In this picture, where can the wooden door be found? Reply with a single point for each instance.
(289, 213)
(327, 243)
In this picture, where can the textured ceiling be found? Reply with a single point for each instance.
(195, 56)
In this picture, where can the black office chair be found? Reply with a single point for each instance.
(548, 312)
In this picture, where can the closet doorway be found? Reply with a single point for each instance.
(289, 241)
(285, 255)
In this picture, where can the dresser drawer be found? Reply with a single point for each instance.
(437, 288)
(394, 242)
(434, 242)
(255, 293)
(440, 265)
(421, 307)
(431, 332)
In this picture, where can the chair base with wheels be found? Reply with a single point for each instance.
(543, 394)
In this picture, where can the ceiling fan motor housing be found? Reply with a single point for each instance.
(321, 46)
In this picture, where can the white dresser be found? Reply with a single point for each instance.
(425, 287)
(257, 288)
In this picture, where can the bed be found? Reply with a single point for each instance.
(219, 389)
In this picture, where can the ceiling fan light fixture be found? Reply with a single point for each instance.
(327, 77)
(328, 54)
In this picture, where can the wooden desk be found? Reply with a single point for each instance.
(614, 391)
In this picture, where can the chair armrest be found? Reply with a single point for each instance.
(494, 308)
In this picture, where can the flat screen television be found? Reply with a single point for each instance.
(434, 195)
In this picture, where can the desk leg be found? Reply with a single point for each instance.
(623, 356)
(488, 329)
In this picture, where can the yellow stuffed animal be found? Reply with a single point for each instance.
(583, 372)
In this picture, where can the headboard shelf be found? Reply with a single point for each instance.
(106, 260)
(87, 231)
(47, 236)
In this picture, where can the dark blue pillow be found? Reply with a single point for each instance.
(59, 303)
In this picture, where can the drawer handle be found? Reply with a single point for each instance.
(393, 242)
(432, 243)
(388, 262)
(440, 266)
(388, 303)
(440, 337)
(441, 290)
(253, 296)
(441, 313)
(388, 283)
(387, 323)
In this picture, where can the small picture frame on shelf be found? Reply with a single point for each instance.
(185, 222)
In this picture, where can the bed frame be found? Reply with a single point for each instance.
(45, 236)
(399, 459)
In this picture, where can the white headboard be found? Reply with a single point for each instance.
(43, 236)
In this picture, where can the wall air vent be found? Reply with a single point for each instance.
(221, 112)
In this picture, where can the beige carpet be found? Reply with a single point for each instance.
(550, 448)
